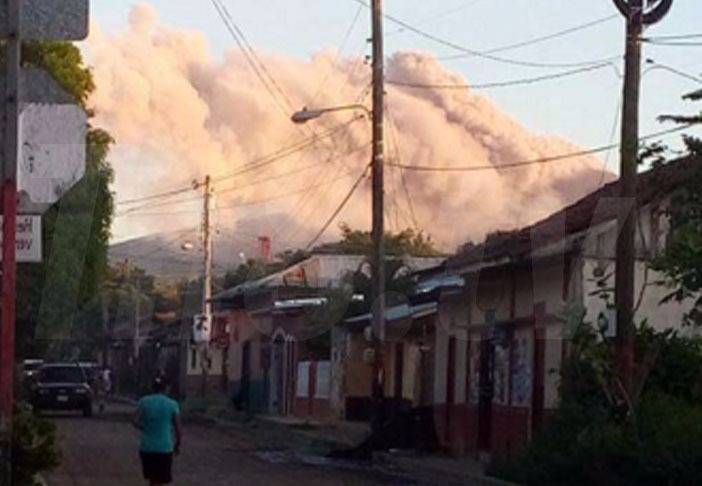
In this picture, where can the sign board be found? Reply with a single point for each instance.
(201, 329)
(52, 131)
(28, 244)
(51, 151)
(50, 19)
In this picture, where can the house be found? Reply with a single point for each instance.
(277, 363)
(499, 342)
(482, 338)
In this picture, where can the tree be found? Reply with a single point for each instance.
(406, 242)
(76, 231)
(681, 262)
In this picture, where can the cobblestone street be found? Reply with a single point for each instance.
(103, 450)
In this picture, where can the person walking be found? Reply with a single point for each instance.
(158, 418)
(104, 387)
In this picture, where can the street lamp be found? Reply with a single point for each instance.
(306, 114)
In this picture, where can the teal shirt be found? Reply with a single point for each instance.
(157, 413)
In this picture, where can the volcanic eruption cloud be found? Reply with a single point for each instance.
(178, 113)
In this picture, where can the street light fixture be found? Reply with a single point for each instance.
(306, 114)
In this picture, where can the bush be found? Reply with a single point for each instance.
(34, 447)
(592, 440)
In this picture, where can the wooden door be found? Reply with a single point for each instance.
(486, 391)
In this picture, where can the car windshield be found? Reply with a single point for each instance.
(62, 374)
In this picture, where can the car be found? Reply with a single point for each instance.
(30, 367)
(92, 371)
(62, 386)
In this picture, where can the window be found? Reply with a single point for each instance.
(62, 374)
(193, 358)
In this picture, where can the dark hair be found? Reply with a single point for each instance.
(159, 385)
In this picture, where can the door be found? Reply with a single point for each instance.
(450, 385)
(486, 391)
(537, 406)
(245, 379)
(399, 370)
(277, 403)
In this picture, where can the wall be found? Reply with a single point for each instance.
(599, 249)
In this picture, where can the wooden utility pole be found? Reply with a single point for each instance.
(637, 15)
(206, 281)
(626, 220)
(378, 259)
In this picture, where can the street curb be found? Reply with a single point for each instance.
(386, 463)
(123, 400)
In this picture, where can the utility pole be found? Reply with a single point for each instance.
(10, 154)
(637, 15)
(378, 259)
(207, 281)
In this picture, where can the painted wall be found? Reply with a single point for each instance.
(599, 249)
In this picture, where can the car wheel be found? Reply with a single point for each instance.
(88, 410)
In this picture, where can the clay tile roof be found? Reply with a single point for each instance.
(594, 208)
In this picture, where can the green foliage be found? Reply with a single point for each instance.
(34, 447)
(681, 262)
(406, 242)
(65, 63)
(76, 231)
(594, 440)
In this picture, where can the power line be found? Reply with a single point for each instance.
(292, 172)
(248, 167)
(285, 152)
(341, 48)
(613, 133)
(249, 203)
(251, 57)
(338, 209)
(160, 247)
(156, 205)
(523, 163)
(398, 156)
(672, 43)
(537, 40)
(487, 56)
(499, 84)
(438, 16)
(154, 196)
(308, 197)
(672, 37)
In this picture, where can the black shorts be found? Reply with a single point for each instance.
(156, 467)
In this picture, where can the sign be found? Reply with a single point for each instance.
(52, 131)
(51, 152)
(201, 329)
(50, 20)
(28, 243)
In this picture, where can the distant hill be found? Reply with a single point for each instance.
(162, 254)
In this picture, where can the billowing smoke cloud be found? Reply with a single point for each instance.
(178, 113)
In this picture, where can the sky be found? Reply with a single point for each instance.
(581, 109)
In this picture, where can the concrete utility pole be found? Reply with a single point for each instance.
(207, 281)
(637, 15)
(9, 228)
(378, 259)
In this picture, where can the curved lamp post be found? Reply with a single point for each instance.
(306, 114)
